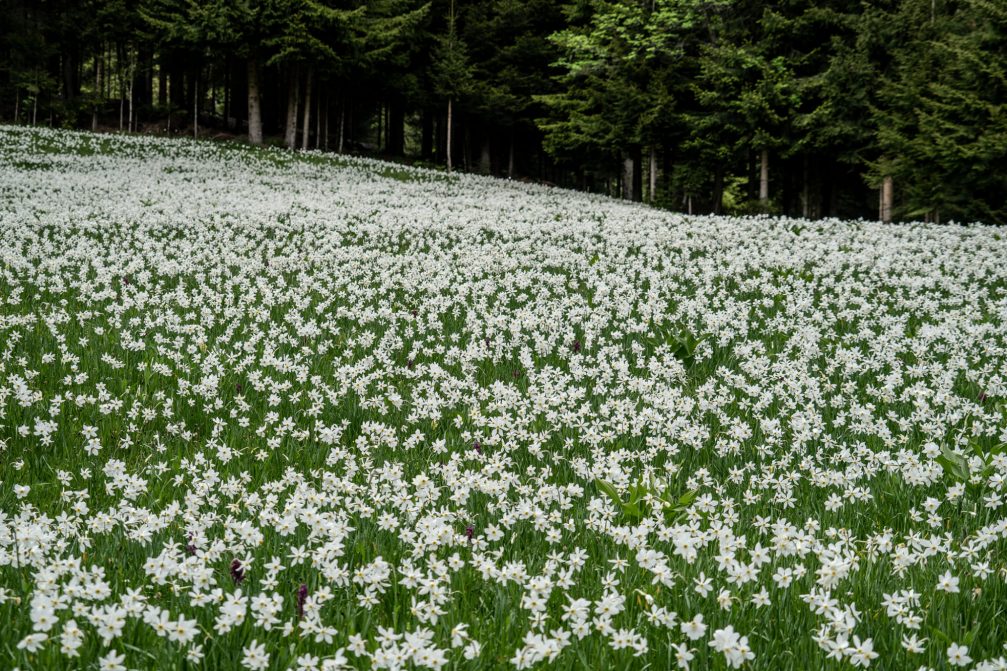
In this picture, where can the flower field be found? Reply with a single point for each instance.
(271, 411)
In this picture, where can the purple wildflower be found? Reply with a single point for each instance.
(302, 596)
(237, 572)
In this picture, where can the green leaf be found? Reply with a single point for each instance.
(609, 490)
(941, 635)
(632, 511)
(953, 464)
(686, 499)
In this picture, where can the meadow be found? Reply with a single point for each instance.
(267, 410)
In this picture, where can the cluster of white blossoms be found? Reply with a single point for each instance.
(268, 411)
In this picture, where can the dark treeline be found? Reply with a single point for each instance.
(890, 109)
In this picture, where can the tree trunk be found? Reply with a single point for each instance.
(130, 125)
(666, 170)
(426, 136)
(306, 133)
(176, 88)
(254, 104)
(396, 128)
(162, 85)
(195, 106)
(510, 156)
(485, 156)
(887, 198)
(71, 82)
(764, 178)
(652, 186)
(227, 96)
(342, 123)
(718, 191)
(97, 91)
(637, 155)
(805, 190)
(326, 113)
(627, 176)
(448, 152)
(466, 145)
(293, 96)
(318, 120)
(213, 92)
(146, 91)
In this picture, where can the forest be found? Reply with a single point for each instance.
(873, 109)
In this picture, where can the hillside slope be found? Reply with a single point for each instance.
(269, 411)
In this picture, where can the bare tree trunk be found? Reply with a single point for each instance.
(326, 115)
(510, 156)
(17, 104)
(34, 108)
(306, 133)
(227, 95)
(805, 190)
(254, 104)
(466, 146)
(887, 198)
(213, 92)
(130, 125)
(450, 105)
(293, 96)
(396, 127)
(195, 107)
(342, 123)
(652, 186)
(426, 135)
(718, 191)
(318, 121)
(627, 176)
(764, 177)
(485, 157)
(97, 90)
(162, 84)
